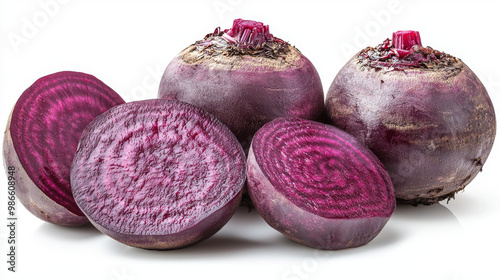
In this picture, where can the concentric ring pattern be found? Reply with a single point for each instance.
(323, 170)
(47, 122)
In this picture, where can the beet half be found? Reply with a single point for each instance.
(245, 77)
(158, 174)
(317, 185)
(41, 138)
(424, 113)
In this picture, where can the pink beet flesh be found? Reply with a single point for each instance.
(318, 185)
(45, 127)
(158, 174)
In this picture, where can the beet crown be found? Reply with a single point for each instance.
(405, 51)
(245, 37)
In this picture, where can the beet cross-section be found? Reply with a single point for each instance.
(158, 174)
(317, 185)
(41, 139)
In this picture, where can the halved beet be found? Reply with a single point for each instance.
(41, 138)
(317, 185)
(246, 77)
(423, 112)
(158, 174)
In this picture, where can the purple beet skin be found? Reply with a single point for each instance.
(158, 174)
(41, 138)
(245, 77)
(317, 185)
(423, 112)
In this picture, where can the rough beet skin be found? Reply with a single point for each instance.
(245, 77)
(41, 138)
(158, 174)
(423, 112)
(317, 185)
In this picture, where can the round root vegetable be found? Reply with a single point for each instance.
(424, 113)
(317, 185)
(41, 138)
(158, 174)
(245, 77)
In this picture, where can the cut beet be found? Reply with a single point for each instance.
(423, 112)
(158, 174)
(41, 139)
(317, 185)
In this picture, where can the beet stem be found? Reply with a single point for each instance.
(248, 33)
(405, 40)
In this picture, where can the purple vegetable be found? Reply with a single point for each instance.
(245, 77)
(41, 138)
(158, 174)
(317, 185)
(424, 113)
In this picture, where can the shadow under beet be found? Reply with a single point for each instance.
(425, 213)
(214, 247)
(236, 237)
(84, 232)
(247, 232)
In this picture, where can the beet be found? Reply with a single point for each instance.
(41, 138)
(158, 174)
(245, 77)
(423, 112)
(317, 185)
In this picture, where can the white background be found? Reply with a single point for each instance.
(127, 44)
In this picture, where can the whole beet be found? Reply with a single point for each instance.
(245, 77)
(424, 113)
